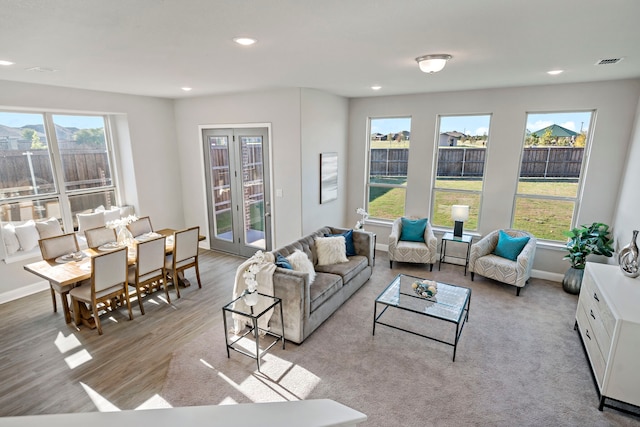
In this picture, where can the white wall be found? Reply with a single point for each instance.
(324, 123)
(615, 103)
(147, 152)
(628, 213)
(280, 108)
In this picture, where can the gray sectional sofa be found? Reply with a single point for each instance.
(305, 306)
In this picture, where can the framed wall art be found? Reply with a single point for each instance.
(328, 177)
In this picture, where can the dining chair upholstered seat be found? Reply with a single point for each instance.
(424, 252)
(483, 261)
(98, 236)
(149, 268)
(184, 256)
(51, 248)
(109, 279)
(140, 226)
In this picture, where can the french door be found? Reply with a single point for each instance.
(238, 189)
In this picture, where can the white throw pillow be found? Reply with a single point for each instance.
(49, 228)
(300, 262)
(112, 215)
(27, 235)
(11, 242)
(331, 250)
(89, 221)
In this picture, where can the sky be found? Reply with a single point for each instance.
(20, 119)
(479, 125)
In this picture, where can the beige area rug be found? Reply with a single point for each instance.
(519, 363)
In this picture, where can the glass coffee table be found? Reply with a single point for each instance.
(450, 304)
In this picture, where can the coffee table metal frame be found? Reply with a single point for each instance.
(254, 321)
(459, 312)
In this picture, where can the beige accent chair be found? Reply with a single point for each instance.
(149, 270)
(516, 273)
(415, 252)
(109, 272)
(99, 236)
(52, 248)
(184, 256)
(140, 226)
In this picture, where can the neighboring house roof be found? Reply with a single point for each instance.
(454, 134)
(557, 131)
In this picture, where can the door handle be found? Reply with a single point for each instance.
(266, 214)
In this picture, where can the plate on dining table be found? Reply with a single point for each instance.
(148, 236)
(111, 246)
(77, 256)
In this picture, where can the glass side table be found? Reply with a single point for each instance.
(269, 303)
(449, 237)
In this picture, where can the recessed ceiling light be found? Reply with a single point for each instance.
(376, 87)
(41, 69)
(555, 72)
(5, 63)
(244, 41)
(186, 89)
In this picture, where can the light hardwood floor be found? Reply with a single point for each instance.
(47, 366)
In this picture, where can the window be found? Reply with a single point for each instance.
(461, 152)
(388, 162)
(551, 173)
(45, 175)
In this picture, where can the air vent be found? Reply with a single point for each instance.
(609, 61)
(41, 69)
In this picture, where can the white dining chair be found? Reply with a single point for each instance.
(149, 268)
(52, 248)
(184, 255)
(140, 226)
(99, 236)
(109, 279)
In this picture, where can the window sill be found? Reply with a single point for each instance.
(22, 256)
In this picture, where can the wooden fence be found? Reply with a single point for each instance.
(537, 162)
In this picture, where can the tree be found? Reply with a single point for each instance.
(92, 137)
(31, 134)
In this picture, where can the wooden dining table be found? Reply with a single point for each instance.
(74, 272)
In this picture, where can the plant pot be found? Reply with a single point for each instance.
(573, 280)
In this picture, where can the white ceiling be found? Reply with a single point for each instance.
(155, 47)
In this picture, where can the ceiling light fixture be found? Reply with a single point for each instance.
(432, 63)
(555, 72)
(376, 87)
(5, 63)
(244, 41)
(186, 89)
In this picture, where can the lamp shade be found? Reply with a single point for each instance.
(460, 212)
(432, 63)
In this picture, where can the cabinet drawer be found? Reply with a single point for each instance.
(590, 343)
(603, 338)
(598, 304)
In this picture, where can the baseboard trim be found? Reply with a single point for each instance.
(24, 291)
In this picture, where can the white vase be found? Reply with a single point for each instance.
(124, 236)
(250, 298)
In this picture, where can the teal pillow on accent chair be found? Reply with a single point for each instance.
(510, 247)
(413, 229)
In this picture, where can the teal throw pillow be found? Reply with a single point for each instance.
(283, 262)
(510, 247)
(348, 241)
(413, 229)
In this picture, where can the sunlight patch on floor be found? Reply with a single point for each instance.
(78, 359)
(102, 404)
(67, 343)
(155, 402)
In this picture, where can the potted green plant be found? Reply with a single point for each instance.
(583, 241)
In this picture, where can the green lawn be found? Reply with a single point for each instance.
(546, 219)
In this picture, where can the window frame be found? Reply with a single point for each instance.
(61, 194)
(368, 184)
(577, 199)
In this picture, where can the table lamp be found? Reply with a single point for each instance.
(459, 213)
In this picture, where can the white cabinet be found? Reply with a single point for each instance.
(608, 317)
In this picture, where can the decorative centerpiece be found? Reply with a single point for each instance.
(123, 235)
(250, 295)
(360, 223)
(425, 288)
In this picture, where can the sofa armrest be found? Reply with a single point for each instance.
(394, 237)
(292, 287)
(524, 262)
(483, 247)
(363, 242)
